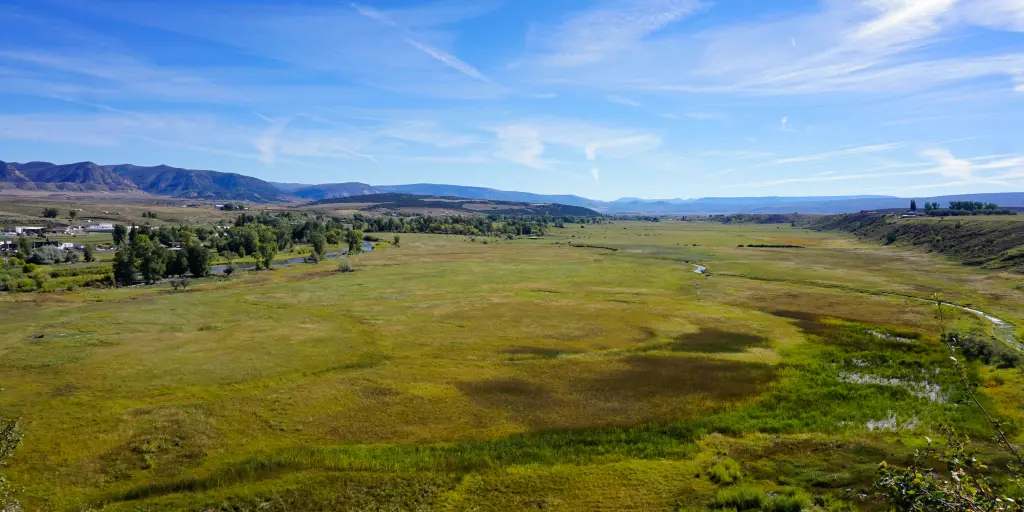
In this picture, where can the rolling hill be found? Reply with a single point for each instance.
(172, 181)
(159, 180)
(333, 190)
(410, 203)
(430, 189)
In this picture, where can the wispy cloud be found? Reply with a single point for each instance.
(622, 100)
(941, 162)
(832, 155)
(524, 142)
(866, 46)
(611, 28)
(596, 173)
(444, 57)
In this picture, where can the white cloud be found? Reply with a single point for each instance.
(622, 145)
(941, 163)
(831, 155)
(521, 144)
(867, 46)
(596, 173)
(612, 28)
(622, 100)
(996, 14)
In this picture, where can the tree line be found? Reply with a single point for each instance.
(960, 208)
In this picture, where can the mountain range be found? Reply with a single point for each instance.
(176, 182)
(159, 180)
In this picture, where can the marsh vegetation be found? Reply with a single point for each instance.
(524, 373)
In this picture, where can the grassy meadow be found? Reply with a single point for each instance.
(488, 374)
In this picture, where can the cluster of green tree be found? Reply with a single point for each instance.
(471, 225)
(966, 213)
(230, 207)
(50, 213)
(961, 208)
(972, 205)
(149, 253)
(142, 256)
(290, 229)
(643, 218)
(756, 218)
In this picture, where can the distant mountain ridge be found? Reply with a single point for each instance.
(333, 191)
(160, 180)
(431, 189)
(203, 184)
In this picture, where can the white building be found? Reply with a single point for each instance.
(100, 228)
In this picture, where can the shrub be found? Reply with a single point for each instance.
(24, 285)
(179, 283)
(740, 498)
(725, 472)
(975, 348)
(345, 267)
(792, 500)
(46, 255)
(230, 269)
(891, 237)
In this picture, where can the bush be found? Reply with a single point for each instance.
(230, 269)
(740, 498)
(180, 283)
(891, 237)
(990, 352)
(792, 500)
(46, 255)
(24, 285)
(345, 267)
(725, 472)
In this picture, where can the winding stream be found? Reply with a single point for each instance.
(1001, 329)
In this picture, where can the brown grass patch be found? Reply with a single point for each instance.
(712, 340)
(810, 323)
(653, 376)
(542, 352)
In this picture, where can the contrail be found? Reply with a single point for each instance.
(446, 58)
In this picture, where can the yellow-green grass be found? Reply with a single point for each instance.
(451, 374)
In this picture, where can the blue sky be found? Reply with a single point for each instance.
(642, 98)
